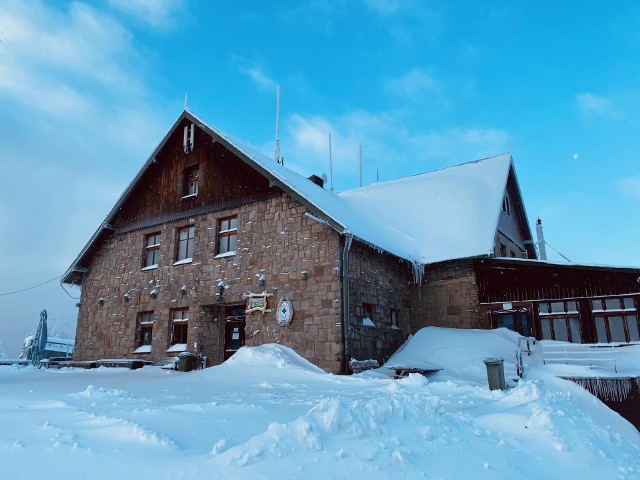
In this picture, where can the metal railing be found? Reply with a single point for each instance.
(592, 356)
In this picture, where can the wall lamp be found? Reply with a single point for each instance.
(101, 301)
(262, 280)
(127, 297)
(220, 290)
(183, 289)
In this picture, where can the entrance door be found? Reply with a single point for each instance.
(517, 319)
(233, 330)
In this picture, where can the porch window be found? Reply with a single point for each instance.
(227, 235)
(560, 321)
(179, 327)
(152, 250)
(186, 236)
(616, 320)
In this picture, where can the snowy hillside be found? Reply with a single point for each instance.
(268, 413)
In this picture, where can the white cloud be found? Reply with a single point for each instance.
(414, 83)
(157, 13)
(261, 79)
(55, 61)
(591, 105)
(630, 186)
(388, 145)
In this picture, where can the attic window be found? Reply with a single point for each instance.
(190, 181)
(506, 205)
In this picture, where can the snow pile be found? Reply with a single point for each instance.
(458, 352)
(271, 354)
(267, 413)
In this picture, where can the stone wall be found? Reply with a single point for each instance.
(510, 247)
(381, 281)
(298, 257)
(448, 297)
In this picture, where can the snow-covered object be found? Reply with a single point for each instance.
(460, 353)
(271, 355)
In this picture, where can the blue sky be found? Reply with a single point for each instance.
(88, 89)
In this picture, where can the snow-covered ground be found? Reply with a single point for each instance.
(268, 413)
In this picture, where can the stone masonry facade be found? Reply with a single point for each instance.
(380, 282)
(298, 257)
(448, 297)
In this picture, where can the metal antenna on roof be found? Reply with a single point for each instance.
(360, 165)
(277, 151)
(186, 100)
(377, 174)
(330, 165)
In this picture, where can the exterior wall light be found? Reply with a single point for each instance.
(262, 280)
(183, 289)
(101, 301)
(127, 297)
(220, 290)
(153, 293)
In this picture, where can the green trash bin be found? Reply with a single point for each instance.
(187, 361)
(495, 373)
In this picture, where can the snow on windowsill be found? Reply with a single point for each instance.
(184, 261)
(143, 349)
(150, 267)
(178, 347)
(187, 197)
(367, 322)
(394, 327)
(230, 253)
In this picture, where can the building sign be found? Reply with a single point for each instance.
(257, 302)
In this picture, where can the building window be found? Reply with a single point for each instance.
(228, 235)
(560, 321)
(152, 250)
(186, 237)
(616, 320)
(506, 205)
(393, 316)
(179, 327)
(190, 181)
(145, 332)
(503, 250)
(367, 313)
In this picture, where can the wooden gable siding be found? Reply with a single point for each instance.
(514, 226)
(224, 181)
(500, 281)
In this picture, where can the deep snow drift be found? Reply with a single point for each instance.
(268, 413)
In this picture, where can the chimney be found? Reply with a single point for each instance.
(542, 250)
(317, 180)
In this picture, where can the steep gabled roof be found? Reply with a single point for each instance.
(431, 217)
(440, 215)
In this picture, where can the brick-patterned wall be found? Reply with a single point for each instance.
(381, 281)
(275, 238)
(448, 297)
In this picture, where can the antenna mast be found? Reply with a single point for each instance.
(277, 151)
(330, 166)
(186, 100)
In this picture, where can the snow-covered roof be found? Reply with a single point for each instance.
(435, 216)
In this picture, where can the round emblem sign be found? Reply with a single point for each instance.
(284, 314)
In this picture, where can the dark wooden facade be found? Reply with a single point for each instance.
(525, 289)
(224, 181)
